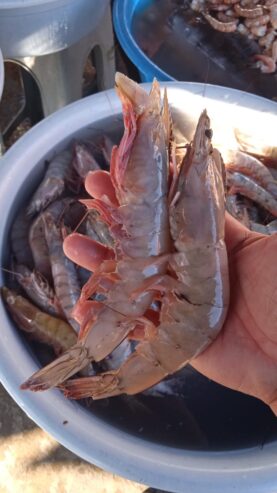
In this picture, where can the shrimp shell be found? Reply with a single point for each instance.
(41, 326)
(252, 167)
(249, 13)
(53, 183)
(273, 15)
(84, 161)
(225, 27)
(268, 229)
(38, 290)
(266, 64)
(237, 209)
(19, 240)
(100, 228)
(245, 186)
(39, 248)
(64, 272)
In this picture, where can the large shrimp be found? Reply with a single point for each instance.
(195, 304)
(139, 169)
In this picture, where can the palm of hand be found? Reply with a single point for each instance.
(244, 355)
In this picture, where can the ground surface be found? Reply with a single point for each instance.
(31, 461)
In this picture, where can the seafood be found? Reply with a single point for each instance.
(84, 161)
(238, 209)
(252, 167)
(64, 271)
(265, 63)
(141, 250)
(100, 228)
(53, 183)
(39, 247)
(19, 240)
(38, 290)
(107, 146)
(225, 27)
(195, 304)
(249, 13)
(41, 326)
(239, 183)
(273, 172)
(251, 18)
(268, 229)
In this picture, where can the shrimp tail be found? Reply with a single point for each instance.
(80, 388)
(69, 363)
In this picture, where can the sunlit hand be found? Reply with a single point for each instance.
(244, 355)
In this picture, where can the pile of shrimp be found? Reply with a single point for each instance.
(257, 20)
(43, 284)
(252, 187)
(161, 296)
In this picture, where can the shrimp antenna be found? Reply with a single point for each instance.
(206, 79)
(80, 222)
(12, 272)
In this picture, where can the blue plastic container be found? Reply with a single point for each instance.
(123, 13)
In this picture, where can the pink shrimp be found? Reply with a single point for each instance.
(139, 170)
(252, 167)
(195, 304)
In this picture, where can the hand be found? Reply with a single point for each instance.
(244, 355)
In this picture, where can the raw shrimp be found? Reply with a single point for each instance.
(225, 27)
(39, 247)
(249, 13)
(53, 183)
(38, 290)
(237, 209)
(239, 183)
(84, 161)
(267, 229)
(41, 326)
(100, 228)
(252, 167)
(139, 171)
(195, 304)
(64, 273)
(19, 240)
(273, 172)
(107, 147)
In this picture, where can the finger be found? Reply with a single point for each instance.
(235, 232)
(85, 251)
(99, 183)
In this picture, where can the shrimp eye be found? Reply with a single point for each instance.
(209, 133)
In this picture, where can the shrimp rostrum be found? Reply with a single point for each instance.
(195, 288)
(139, 172)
